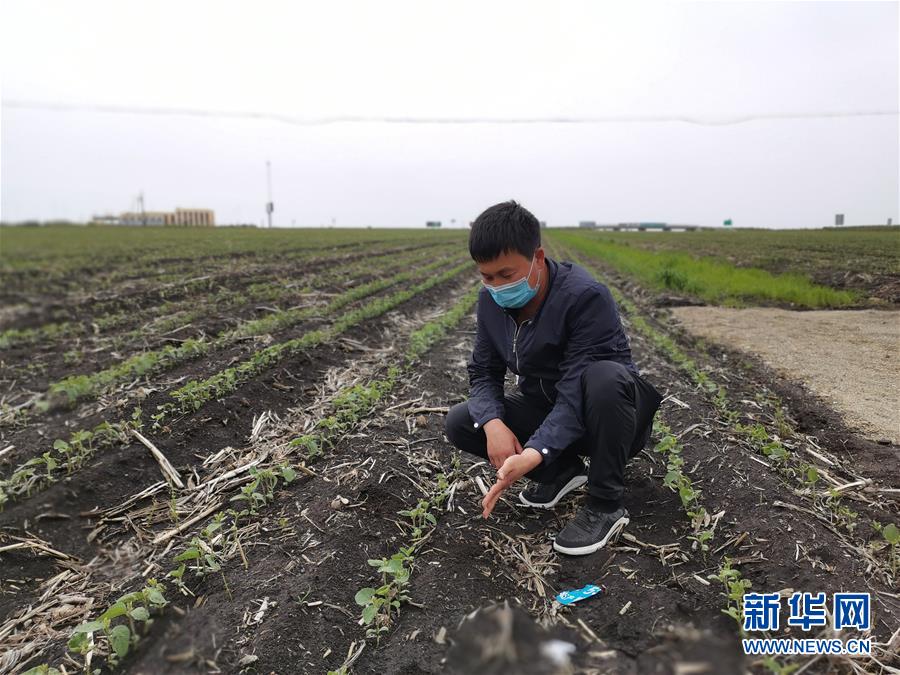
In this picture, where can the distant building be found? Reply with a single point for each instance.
(105, 220)
(640, 227)
(587, 223)
(202, 217)
(650, 227)
(146, 218)
(433, 223)
(179, 218)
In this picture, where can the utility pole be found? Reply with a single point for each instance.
(141, 204)
(270, 206)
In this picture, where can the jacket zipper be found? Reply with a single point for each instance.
(516, 339)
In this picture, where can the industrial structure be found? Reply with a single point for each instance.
(178, 218)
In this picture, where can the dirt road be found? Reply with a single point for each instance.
(849, 358)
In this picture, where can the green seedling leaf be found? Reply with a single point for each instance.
(155, 597)
(78, 642)
(89, 627)
(190, 554)
(139, 614)
(364, 596)
(369, 613)
(116, 610)
(120, 639)
(891, 534)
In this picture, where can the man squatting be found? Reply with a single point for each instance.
(578, 391)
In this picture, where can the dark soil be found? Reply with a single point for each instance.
(45, 362)
(113, 475)
(455, 572)
(476, 608)
(60, 422)
(139, 290)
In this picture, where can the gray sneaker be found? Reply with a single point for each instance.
(590, 531)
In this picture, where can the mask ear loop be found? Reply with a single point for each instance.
(538, 282)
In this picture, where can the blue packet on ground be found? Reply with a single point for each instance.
(568, 597)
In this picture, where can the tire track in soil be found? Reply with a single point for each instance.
(115, 475)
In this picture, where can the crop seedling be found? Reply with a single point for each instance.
(675, 479)
(261, 489)
(203, 553)
(735, 588)
(420, 517)
(71, 454)
(134, 608)
(382, 603)
(891, 535)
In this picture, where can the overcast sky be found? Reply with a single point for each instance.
(639, 68)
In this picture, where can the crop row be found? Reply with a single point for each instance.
(76, 388)
(118, 628)
(194, 394)
(73, 250)
(71, 454)
(174, 313)
(180, 314)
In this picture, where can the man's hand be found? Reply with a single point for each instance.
(501, 442)
(512, 470)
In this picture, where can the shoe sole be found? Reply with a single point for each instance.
(614, 531)
(573, 484)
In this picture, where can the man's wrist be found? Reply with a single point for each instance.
(491, 423)
(533, 455)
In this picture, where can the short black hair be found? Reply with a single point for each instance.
(503, 227)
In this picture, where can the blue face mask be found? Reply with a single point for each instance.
(515, 294)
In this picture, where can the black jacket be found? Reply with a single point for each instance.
(577, 323)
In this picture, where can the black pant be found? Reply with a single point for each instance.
(618, 409)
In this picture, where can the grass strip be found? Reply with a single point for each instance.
(712, 280)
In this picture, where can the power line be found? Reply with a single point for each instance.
(722, 120)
